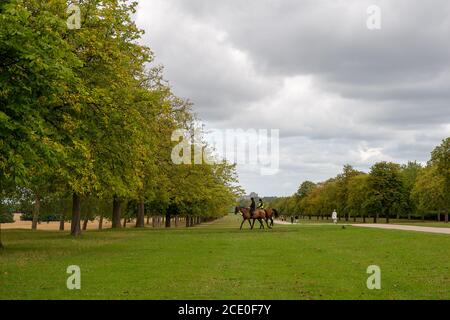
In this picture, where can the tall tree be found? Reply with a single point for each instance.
(342, 181)
(386, 186)
(440, 157)
(428, 193)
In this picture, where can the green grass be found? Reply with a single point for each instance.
(220, 262)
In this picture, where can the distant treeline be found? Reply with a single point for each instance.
(389, 190)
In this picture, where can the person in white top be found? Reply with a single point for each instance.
(334, 217)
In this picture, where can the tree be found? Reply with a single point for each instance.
(305, 189)
(342, 181)
(428, 193)
(385, 186)
(358, 201)
(440, 157)
(35, 74)
(409, 174)
(91, 120)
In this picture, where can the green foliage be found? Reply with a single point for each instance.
(428, 192)
(440, 157)
(6, 217)
(84, 112)
(385, 186)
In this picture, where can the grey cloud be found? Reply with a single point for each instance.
(338, 92)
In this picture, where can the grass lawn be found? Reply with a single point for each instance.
(218, 261)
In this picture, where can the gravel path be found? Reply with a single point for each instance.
(384, 226)
(406, 228)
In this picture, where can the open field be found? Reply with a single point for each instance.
(93, 225)
(217, 261)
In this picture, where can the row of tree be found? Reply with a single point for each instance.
(388, 190)
(86, 120)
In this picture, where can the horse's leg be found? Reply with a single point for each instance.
(261, 223)
(267, 223)
(250, 223)
(242, 224)
(271, 222)
(253, 224)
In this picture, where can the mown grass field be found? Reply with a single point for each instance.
(218, 261)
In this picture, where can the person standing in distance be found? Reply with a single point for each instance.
(334, 217)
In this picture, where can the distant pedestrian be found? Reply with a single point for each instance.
(334, 217)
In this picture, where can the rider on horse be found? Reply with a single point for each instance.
(261, 204)
(252, 207)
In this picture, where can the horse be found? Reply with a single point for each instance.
(270, 213)
(258, 214)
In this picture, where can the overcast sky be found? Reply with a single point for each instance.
(338, 92)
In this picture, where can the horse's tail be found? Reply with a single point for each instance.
(275, 212)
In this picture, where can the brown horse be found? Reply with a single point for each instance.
(270, 213)
(259, 215)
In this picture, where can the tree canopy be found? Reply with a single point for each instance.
(87, 117)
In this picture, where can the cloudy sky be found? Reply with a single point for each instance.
(338, 92)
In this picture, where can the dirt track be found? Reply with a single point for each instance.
(18, 224)
(405, 228)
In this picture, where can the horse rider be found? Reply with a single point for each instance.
(261, 204)
(252, 207)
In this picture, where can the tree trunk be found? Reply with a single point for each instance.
(62, 221)
(153, 222)
(125, 222)
(387, 216)
(347, 217)
(167, 220)
(1, 244)
(37, 207)
(85, 223)
(176, 221)
(187, 222)
(375, 218)
(100, 223)
(148, 219)
(116, 213)
(446, 215)
(364, 219)
(140, 221)
(439, 216)
(76, 216)
(409, 216)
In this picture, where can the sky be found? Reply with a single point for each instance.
(338, 92)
